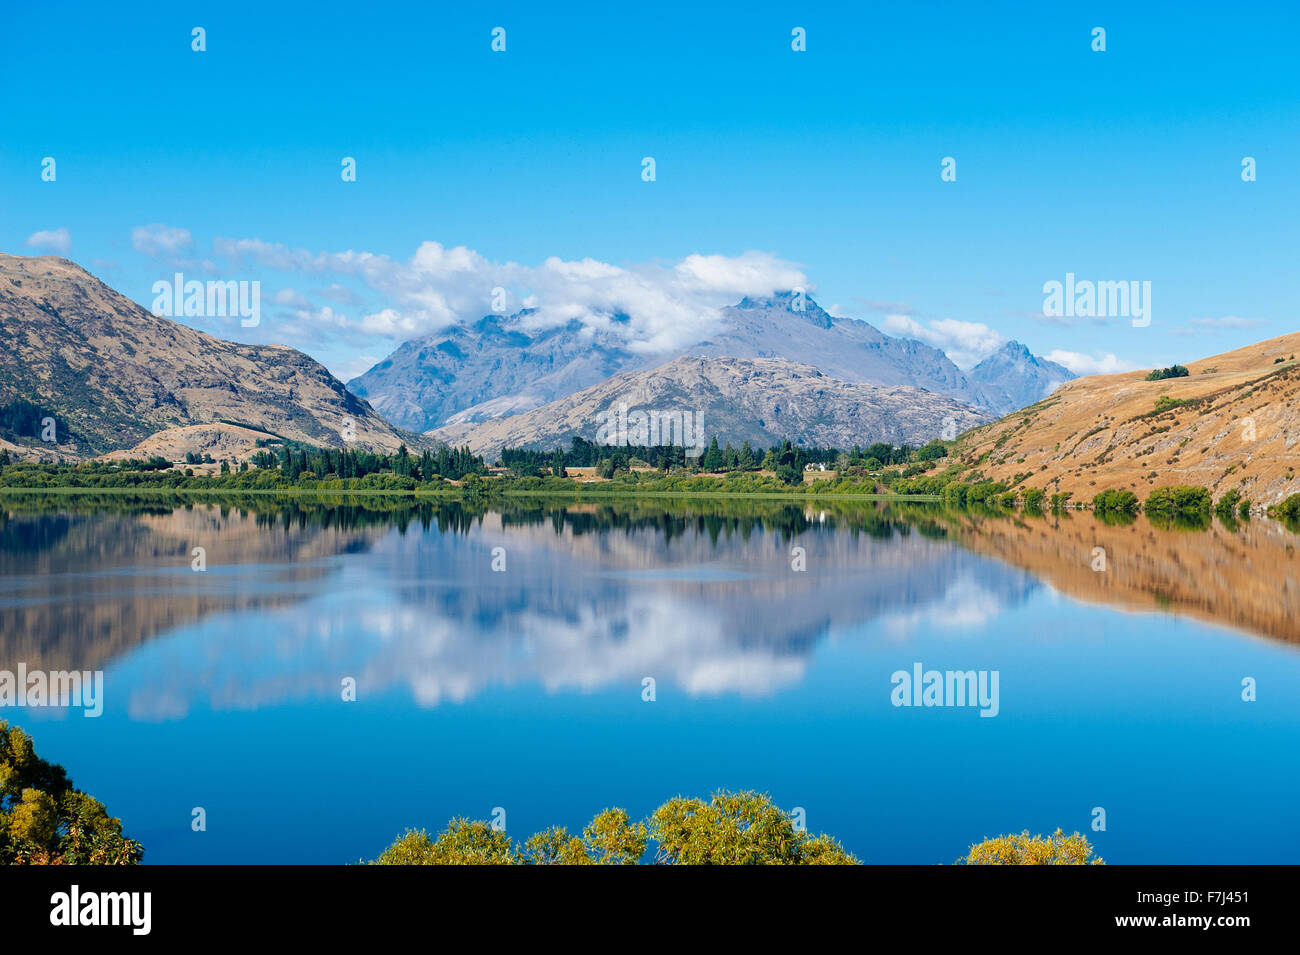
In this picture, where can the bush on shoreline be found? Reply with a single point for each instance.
(1182, 499)
(1288, 510)
(1116, 501)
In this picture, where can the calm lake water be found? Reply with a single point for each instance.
(1119, 687)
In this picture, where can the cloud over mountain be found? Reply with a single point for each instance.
(652, 307)
(966, 343)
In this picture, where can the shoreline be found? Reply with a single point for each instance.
(455, 493)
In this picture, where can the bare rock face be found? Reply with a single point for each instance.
(488, 368)
(1013, 377)
(112, 373)
(761, 400)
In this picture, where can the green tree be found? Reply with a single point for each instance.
(1288, 510)
(955, 492)
(933, 451)
(44, 820)
(787, 464)
(1173, 371)
(713, 457)
(1116, 500)
(1182, 499)
(1226, 506)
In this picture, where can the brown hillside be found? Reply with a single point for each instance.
(1241, 575)
(113, 373)
(1104, 431)
(222, 441)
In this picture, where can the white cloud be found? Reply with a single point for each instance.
(654, 307)
(749, 273)
(158, 240)
(966, 343)
(272, 255)
(965, 605)
(389, 321)
(1082, 364)
(58, 240)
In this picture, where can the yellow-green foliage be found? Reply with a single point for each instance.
(736, 829)
(463, 842)
(1024, 849)
(743, 828)
(45, 821)
(609, 839)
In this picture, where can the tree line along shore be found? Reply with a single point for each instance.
(587, 469)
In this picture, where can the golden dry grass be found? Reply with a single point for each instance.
(1103, 431)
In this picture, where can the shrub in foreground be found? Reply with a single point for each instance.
(1024, 849)
(731, 828)
(45, 821)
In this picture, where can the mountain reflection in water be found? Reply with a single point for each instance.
(526, 687)
(705, 597)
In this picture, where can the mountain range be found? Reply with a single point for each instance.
(760, 400)
(503, 365)
(119, 379)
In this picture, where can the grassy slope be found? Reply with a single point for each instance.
(1103, 432)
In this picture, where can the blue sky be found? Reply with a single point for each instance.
(824, 164)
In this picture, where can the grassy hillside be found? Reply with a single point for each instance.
(1232, 423)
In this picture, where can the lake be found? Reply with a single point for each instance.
(501, 658)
